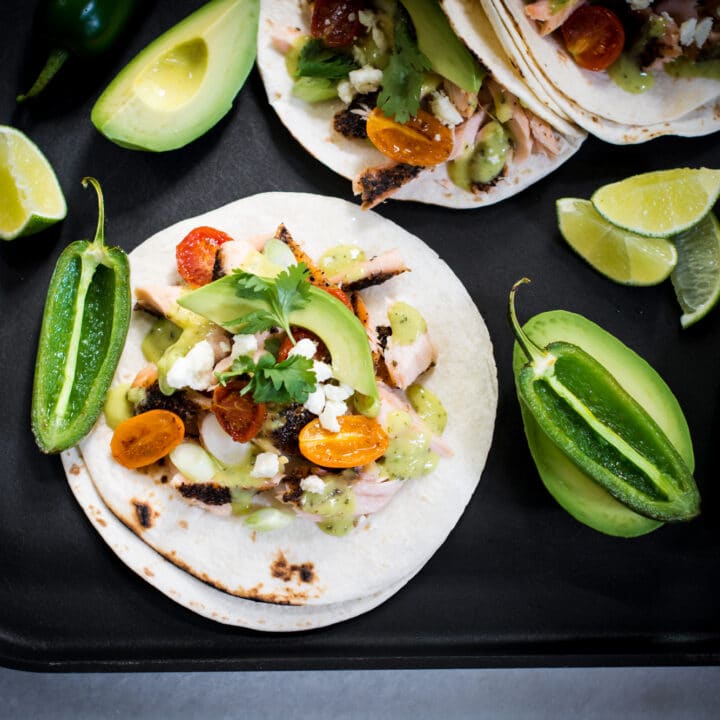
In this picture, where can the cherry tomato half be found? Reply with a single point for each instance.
(336, 22)
(594, 36)
(195, 254)
(239, 415)
(143, 439)
(299, 334)
(423, 140)
(359, 441)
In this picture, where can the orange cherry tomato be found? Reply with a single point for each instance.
(594, 36)
(144, 439)
(239, 415)
(423, 140)
(195, 254)
(359, 442)
(300, 334)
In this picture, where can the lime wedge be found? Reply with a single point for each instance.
(659, 204)
(622, 256)
(31, 196)
(696, 277)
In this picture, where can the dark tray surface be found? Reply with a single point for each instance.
(517, 583)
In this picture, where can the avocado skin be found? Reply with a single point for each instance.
(579, 495)
(324, 315)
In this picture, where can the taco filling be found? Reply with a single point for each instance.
(291, 401)
(413, 90)
(631, 40)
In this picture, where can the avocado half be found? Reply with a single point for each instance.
(577, 493)
(181, 84)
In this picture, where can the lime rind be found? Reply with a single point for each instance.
(696, 277)
(620, 255)
(34, 197)
(661, 203)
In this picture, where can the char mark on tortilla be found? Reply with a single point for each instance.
(376, 184)
(144, 513)
(284, 570)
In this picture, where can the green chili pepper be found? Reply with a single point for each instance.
(604, 431)
(86, 318)
(84, 28)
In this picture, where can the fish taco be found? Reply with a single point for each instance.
(387, 95)
(335, 392)
(625, 70)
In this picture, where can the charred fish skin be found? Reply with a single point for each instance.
(377, 184)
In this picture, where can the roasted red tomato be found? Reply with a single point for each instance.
(195, 254)
(336, 22)
(423, 140)
(299, 334)
(239, 415)
(594, 36)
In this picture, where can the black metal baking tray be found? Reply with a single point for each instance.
(518, 583)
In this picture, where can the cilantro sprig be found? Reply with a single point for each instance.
(317, 60)
(291, 380)
(404, 75)
(289, 291)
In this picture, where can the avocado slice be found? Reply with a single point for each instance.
(342, 333)
(447, 54)
(181, 84)
(584, 499)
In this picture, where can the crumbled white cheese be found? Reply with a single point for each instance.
(329, 416)
(305, 347)
(366, 79)
(444, 110)
(337, 392)
(312, 484)
(345, 91)
(243, 345)
(224, 347)
(315, 401)
(639, 4)
(194, 370)
(702, 31)
(366, 18)
(687, 31)
(266, 465)
(322, 371)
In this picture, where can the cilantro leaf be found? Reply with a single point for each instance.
(291, 380)
(289, 291)
(317, 60)
(404, 75)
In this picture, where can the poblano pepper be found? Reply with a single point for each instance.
(84, 28)
(85, 322)
(588, 415)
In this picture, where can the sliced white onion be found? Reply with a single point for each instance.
(193, 462)
(278, 252)
(269, 518)
(220, 445)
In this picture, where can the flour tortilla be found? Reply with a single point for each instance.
(311, 124)
(187, 590)
(394, 542)
(673, 106)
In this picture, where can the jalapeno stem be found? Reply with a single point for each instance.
(534, 353)
(100, 231)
